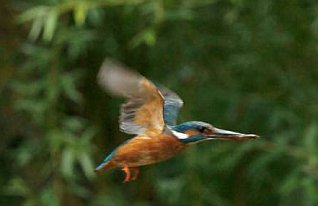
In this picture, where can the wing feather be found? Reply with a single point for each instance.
(172, 106)
(143, 112)
(148, 109)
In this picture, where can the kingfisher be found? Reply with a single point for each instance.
(150, 113)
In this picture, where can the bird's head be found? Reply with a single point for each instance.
(195, 131)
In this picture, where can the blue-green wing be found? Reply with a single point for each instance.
(172, 106)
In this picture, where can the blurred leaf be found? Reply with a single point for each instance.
(50, 24)
(30, 202)
(32, 13)
(80, 190)
(18, 187)
(35, 107)
(80, 12)
(311, 188)
(181, 14)
(49, 198)
(36, 29)
(57, 139)
(310, 138)
(73, 123)
(147, 36)
(37, 14)
(69, 87)
(87, 165)
(25, 153)
(291, 182)
(171, 188)
(67, 164)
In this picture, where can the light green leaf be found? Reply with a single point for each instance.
(80, 13)
(49, 26)
(147, 36)
(87, 165)
(67, 163)
(33, 13)
(36, 29)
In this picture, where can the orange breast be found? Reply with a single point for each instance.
(144, 150)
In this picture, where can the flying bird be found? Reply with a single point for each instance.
(150, 114)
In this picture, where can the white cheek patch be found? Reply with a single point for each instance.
(180, 135)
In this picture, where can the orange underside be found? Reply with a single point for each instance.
(141, 151)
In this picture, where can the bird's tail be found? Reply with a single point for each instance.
(104, 166)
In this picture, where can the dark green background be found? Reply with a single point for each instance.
(244, 65)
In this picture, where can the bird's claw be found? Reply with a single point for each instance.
(128, 177)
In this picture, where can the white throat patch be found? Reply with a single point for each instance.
(179, 135)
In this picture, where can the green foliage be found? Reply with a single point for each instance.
(248, 66)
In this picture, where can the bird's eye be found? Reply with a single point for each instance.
(201, 129)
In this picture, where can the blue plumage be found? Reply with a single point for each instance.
(190, 125)
(106, 160)
(171, 107)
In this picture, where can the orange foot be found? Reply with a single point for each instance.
(136, 173)
(128, 178)
(127, 172)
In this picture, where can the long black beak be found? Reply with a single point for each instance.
(229, 135)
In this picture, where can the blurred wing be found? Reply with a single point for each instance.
(172, 105)
(143, 112)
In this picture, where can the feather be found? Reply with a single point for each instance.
(143, 112)
(172, 106)
(148, 108)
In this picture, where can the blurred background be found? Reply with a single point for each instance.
(247, 66)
